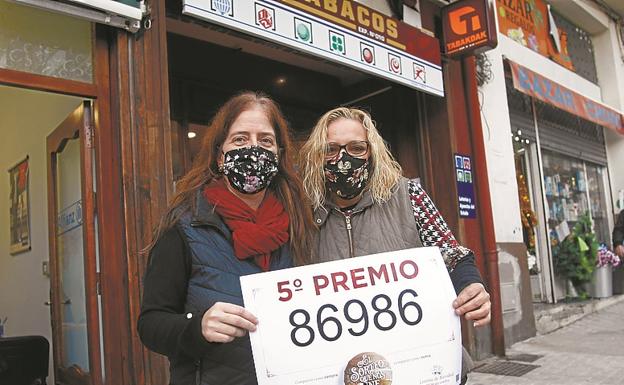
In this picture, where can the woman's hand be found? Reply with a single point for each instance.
(225, 321)
(474, 303)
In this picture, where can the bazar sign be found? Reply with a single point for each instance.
(469, 27)
(546, 90)
(378, 319)
(342, 31)
(530, 23)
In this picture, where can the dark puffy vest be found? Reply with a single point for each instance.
(214, 278)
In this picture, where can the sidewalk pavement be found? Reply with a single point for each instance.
(588, 351)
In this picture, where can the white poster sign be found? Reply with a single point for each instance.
(299, 25)
(374, 320)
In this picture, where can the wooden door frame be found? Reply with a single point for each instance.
(78, 125)
(122, 351)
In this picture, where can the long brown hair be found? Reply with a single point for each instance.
(286, 184)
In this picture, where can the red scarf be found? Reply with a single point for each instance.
(255, 233)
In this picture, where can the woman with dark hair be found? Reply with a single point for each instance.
(237, 211)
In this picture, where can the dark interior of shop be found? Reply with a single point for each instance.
(203, 75)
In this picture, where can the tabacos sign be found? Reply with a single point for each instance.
(468, 27)
(372, 24)
(342, 31)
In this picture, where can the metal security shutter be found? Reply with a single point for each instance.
(520, 113)
(570, 135)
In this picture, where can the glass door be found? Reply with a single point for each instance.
(72, 237)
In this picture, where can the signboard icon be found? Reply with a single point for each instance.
(265, 17)
(419, 73)
(394, 63)
(367, 53)
(224, 7)
(303, 30)
(337, 43)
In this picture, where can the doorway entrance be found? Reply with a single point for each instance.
(203, 75)
(74, 271)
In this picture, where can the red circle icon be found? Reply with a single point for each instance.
(367, 54)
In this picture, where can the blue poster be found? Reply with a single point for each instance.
(465, 189)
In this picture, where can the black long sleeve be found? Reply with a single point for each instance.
(465, 273)
(163, 325)
(618, 231)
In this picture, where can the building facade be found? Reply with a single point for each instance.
(551, 101)
(109, 107)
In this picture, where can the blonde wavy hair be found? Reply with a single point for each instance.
(386, 170)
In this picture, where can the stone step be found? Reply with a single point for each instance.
(550, 317)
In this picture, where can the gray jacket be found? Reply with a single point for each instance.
(371, 228)
(368, 228)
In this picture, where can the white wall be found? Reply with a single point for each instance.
(610, 69)
(26, 118)
(500, 153)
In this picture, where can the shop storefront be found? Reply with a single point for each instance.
(559, 147)
(561, 170)
(140, 114)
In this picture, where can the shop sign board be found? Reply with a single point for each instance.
(544, 89)
(464, 175)
(469, 27)
(530, 23)
(126, 8)
(377, 319)
(342, 31)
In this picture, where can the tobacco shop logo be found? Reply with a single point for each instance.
(368, 368)
(224, 7)
(464, 20)
(265, 17)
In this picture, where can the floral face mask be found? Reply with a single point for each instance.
(250, 169)
(347, 176)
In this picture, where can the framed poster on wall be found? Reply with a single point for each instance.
(19, 211)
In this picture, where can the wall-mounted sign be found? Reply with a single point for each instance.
(464, 175)
(469, 27)
(541, 88)
(531, 23)
(69, 218)
(342, 31)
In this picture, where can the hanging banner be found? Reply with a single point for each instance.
(531, 23)
(380, 319)
(342, 31)
(541, 88)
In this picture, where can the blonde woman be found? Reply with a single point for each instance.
(363, 205)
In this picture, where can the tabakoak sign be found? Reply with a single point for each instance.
(469, 27)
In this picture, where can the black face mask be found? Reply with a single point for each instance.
(250, 169)
(347, 176)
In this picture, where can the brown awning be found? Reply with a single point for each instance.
(546, 90)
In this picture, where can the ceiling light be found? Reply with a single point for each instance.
(191, 134)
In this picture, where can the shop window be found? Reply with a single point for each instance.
(45, 43)
(573, 188)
